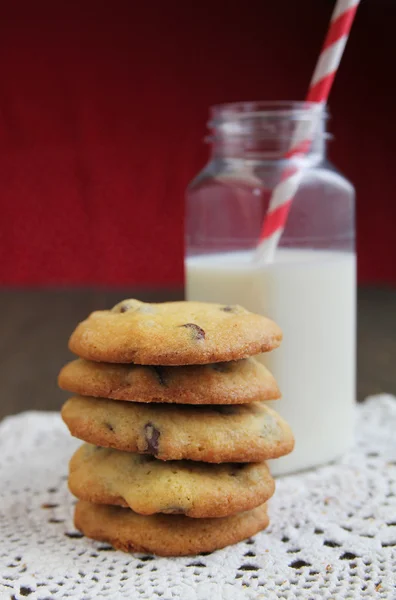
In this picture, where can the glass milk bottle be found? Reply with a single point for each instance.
(309, 288)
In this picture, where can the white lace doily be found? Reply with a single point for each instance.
(332, 532)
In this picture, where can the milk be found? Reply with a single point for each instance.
(311, 295)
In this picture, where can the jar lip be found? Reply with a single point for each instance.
(326, 135)
(298, 110)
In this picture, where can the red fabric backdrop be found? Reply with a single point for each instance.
(102, 113)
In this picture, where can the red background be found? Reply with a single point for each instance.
(102, 113)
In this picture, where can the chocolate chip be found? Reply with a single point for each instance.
(197, 331)
(109, 426)
(151, 435)
(160, 373)
(228, 308)
(48, 505)
(25, 590)
(126, 305)
(135, 305)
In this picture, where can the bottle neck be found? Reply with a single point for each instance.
(269, 132)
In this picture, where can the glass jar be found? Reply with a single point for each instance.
(310, 287)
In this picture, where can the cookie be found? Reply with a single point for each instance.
(173, 333)
(235, 382)
(165, 535)
(148, 485)
(239, 433)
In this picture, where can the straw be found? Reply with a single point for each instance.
(319, 90)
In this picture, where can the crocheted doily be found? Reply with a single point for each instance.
(332, 532)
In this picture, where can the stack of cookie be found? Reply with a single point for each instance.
(170, 405)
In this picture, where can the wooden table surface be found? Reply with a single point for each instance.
(36, 324)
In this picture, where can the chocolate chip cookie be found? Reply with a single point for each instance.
(173, 333)
(238, 433)
(234, 382)
(165, 535)
(148, 485)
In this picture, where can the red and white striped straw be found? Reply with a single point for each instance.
(319, 90)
